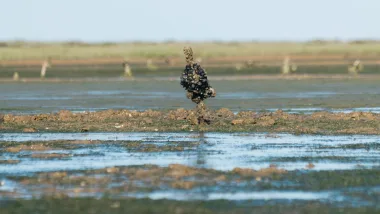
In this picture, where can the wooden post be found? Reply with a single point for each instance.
(16, 77)
(285, 66)
(127, 69)
(45, 65)
(356, 67)
(150, 65)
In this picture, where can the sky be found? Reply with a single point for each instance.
(192, 20)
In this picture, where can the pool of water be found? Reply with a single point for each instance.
(294, 95)
(221, 151)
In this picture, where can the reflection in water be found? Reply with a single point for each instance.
(201, 160)
(221, 151)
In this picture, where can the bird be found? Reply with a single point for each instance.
(194, 79)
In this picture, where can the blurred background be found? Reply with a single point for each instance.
(245, 46)
(94, 55)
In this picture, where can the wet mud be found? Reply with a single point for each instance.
(263, 171)
(178, 182)
(221, 120)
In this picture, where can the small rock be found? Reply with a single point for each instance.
(84, 129)
(65, 115)
(112, 170)
(266, 122)
(243, 171)
(183, 184)
(192, 118)
(148, 121)
(118, 126)
(29, 130)
(237, 122)
(310, 166)
(185, 127)
(225, 113)
(279, 111)
(221, 178)
(57, 175)
(8, 118)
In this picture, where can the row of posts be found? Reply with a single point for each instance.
(287, 67)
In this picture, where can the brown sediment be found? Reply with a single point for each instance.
(41, 146)
(29, 130)
(49, 155)
(33, 147)
(82, 142)
(222, 120)
(137, 178)
(9, 161)
(310, 166)
(259, 173)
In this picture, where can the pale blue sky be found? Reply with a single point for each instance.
(155, 20)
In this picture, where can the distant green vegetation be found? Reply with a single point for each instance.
(80, 50)
(117, 71)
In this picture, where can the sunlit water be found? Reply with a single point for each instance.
(220, 151)
(291, 95)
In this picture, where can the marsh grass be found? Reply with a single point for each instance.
(79, 50)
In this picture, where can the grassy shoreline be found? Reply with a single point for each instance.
(80, 50)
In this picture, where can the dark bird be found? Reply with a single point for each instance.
(194, 79)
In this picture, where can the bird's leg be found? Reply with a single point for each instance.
(201, 113)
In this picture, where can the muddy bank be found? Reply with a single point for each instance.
(139, 178)
(222, 120)
(353, 188)
(123, 180)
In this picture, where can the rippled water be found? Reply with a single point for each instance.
(218, 151)
(293, 95)
(221, 151)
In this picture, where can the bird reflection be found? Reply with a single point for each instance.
(201, 159)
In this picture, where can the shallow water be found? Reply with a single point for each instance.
(262, 195)
(219, 151)
(299, 95)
